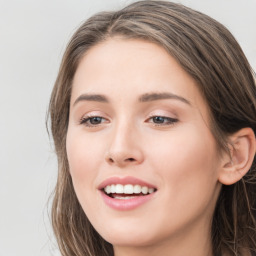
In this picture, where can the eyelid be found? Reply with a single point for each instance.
(163, 113)
(165, 117)
(92, 114)
(95, 113)
(169, 119)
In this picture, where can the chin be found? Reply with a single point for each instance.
(129, 239)
(128, 234)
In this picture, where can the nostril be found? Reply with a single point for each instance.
(130, 159)
(121, 159)
(111, 160)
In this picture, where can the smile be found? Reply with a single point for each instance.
(126, 193)
(127, 189)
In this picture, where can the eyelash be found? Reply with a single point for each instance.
(166, 121)
(87, 121)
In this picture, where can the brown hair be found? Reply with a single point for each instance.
(207, 51)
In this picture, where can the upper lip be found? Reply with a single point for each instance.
(123, 181)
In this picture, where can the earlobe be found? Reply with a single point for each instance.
(238, 162)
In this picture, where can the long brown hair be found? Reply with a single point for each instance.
(208, 52)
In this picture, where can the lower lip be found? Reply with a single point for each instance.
(125, 204)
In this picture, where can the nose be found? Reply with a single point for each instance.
(125, 148)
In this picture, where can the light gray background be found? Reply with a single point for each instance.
(33, 35)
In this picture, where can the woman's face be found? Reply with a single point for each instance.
(138, 121)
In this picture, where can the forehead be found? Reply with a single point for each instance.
(128, 68)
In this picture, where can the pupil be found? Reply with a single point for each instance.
(158, 119)
(96, 120)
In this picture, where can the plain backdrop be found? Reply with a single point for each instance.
(33, 36)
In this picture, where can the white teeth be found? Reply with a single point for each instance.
(137, 189)
(128, 189)
(150, 190)
(107, 189)
(113, 188)
(119, 189)
(144, 190)
(124, 197)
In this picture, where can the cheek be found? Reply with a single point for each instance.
(84, 156)
(184, 147)
(186, 167)
(187, 163)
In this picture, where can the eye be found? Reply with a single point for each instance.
(92, 121)
(162, 120)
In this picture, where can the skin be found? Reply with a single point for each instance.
(179, 158)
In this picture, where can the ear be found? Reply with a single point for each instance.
(238, 162)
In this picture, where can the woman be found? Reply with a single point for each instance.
(153, 116)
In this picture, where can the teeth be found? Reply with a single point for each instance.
(150, 190)
(127, 189)
(123, 197)
(108, 189)
(144, 190)
(119, 189)
(137, 189)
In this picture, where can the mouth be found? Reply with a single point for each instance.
(128, 191)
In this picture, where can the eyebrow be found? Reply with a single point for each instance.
(147, 97)
(162, 96)
(91, 97)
